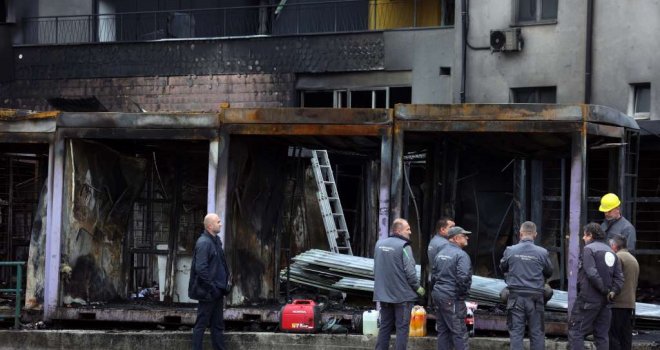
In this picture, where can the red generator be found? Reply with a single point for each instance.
(300, 316)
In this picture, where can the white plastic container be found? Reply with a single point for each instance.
(370, 322)
(181, 276)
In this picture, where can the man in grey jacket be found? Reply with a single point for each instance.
(396, 285)
(526, 267)
(439, 238)
(599, 281)
(452, 278)
(615, 223)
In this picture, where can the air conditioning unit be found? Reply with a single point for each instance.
(506, 40)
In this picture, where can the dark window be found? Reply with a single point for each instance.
(361, 99)
(642, 99)
(3, 11)
(400, 95)
(317, 99)
(546, 94)
(530, 11)
(448, 8)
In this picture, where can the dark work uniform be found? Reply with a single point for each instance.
(452, 278)
(622, 227)
(395, 285)
(526, 267)
(208, 284)
(599, 273)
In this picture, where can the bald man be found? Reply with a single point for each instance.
(209, 281)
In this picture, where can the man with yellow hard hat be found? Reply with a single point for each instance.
(614, 223)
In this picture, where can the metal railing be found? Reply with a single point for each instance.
(16, 290)
(287, 19)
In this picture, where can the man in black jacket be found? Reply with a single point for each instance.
(599, 280)
(209, 277)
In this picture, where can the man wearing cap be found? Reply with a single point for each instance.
(396, 285)
(599, 281)
(526, 267)
(614, 223)
(623, 307)
(452, 277)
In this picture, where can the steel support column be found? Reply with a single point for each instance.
(222, 175)
(577, 209)
(214, 146)
(397, 173)
(385, 178)
(54, 225)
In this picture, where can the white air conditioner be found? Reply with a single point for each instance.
(506, 40)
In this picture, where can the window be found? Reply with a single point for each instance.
(545, 94)
(535, 11)
(640, 106)
(371, 98)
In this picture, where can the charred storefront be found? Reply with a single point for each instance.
(129, 192)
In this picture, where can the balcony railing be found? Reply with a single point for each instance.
(287, 19)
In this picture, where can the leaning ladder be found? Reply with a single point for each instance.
(331, 209)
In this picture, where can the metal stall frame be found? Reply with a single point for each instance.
(578, 121)
(119, 126)
(27, 127)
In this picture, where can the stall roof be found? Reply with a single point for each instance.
(22, 126)
(513, 118)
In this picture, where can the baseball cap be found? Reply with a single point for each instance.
(457, 230)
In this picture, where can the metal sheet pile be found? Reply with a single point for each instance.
(355, 275)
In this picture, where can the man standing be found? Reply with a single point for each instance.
(526, 267)
(396, 285)
(452, 276)
(624, 304)
(614, 223)
(440, 238)
(599, 280)
(209, 277)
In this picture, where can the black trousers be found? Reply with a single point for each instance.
(589, 318)
(621, 329)
(394, 316)
(450, 323)
(526, 310)
(209, 313)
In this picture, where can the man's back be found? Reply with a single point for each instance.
(527, 266)
(600, 272)
(452, 273)
(630, 266)
(395, 279)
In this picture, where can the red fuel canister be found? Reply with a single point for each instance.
(300, 316)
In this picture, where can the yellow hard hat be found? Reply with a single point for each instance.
(609, 202)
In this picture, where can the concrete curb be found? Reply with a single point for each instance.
(176, 340)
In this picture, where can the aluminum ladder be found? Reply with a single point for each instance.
(331, 209)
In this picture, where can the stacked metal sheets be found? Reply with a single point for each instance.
(355, 275)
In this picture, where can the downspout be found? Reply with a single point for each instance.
(464, 26)
(588, 54)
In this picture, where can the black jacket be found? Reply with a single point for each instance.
(209, 273)
(599, 273)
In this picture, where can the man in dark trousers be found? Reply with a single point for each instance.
(615, 223)
(623, 308)
(452, 278)
(396, 285)
(526, 267)
(209, 282)
(599, 281)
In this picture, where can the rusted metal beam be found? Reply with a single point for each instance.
(139, 120)
(477, 126)
(139, 134)
(487, 321)
(25, 137)
(305, 129)
(356, 116)
(605, 130)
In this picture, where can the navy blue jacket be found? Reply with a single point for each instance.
(526, 266)
(599, 273)
(209, 273)
(452, 273)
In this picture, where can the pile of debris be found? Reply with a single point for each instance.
(355, 275)
(333, 271)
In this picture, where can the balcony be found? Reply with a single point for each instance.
(286, 18)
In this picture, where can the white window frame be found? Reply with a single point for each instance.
(537, 20)
(632, 101)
